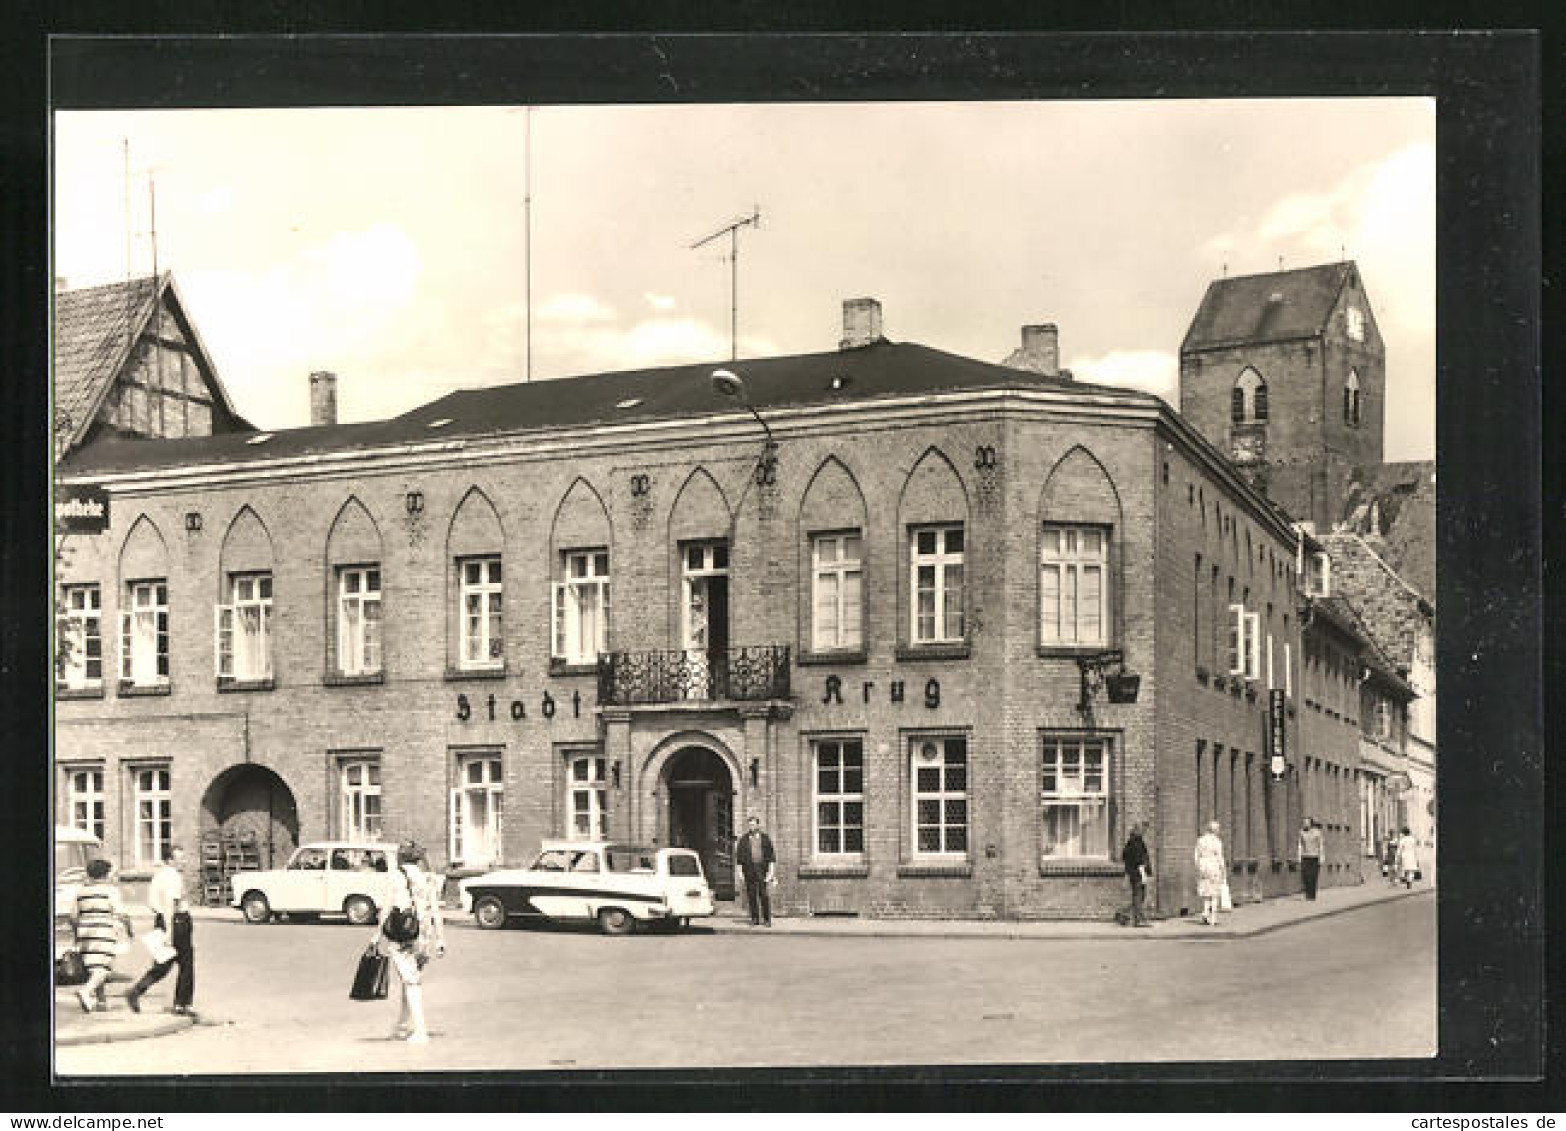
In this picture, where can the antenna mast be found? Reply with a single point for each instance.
(732, 231)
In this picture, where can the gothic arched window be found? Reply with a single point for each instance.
(1248, 401)
(1351, 399)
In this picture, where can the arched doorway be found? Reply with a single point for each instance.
(252, 799)
(700, 792)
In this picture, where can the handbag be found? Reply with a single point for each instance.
(401, 924)
(69, 969)
(158, 946)
(1225, 900)
(371, 977)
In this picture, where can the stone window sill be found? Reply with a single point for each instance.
(566, 667)
(1077, 868)
(138, 690)
(847, 656)
(834, 871)
(457, 675)
(933, 870)
(79, 692)
(915, 653)
(225, 684)
(338, 679)
(1069, 651)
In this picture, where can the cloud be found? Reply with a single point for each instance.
(573, 309)
(642, 345)
(659, 302)
(1151, 371)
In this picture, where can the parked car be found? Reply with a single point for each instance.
(321, 878)
(73, 848)
(618, 885)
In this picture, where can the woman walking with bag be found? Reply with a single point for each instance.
(1211, 873)
(411, 933)
(99, 914)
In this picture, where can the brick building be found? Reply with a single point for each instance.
(1286, 373)
(891, 601)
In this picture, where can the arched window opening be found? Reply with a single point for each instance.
(1351, 400)
(1248, 401)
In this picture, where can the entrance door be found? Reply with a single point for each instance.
(701, 814)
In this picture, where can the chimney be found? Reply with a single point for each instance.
(861, 323)
(1040, 351)
(323, 398)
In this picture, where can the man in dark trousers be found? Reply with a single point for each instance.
(756, 859)
(166, 897)
(1310, 855)
(1139, 870)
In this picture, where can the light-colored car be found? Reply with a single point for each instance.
(328, 877)
(73, 848)
(618, 885)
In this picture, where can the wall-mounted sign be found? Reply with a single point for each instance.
(492, 708)
(1276, 732)
(897, 691)
(81, 510)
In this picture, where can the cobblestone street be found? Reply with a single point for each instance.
(274, 999)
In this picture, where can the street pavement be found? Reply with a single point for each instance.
(1352, 976)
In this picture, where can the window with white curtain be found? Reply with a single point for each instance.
(359, 791)
(476, 808)
(1074, 794)
(359, 619)
(936, 560)
(837, 614)
(144, 633)
(1074, 585)
(479, 597)
(244, 628)
(581, 607)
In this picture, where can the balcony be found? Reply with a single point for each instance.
(738, 674)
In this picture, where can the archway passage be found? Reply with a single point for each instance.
(250, 805)
(700, 792)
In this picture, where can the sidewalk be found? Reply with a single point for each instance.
(73, 1027)
(1245, 921)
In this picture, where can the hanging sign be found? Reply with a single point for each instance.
(1277, 743)
(81, 510)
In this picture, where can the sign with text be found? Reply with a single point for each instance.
(81, 510)
(1276, 718)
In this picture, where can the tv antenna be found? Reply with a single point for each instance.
(732, 231)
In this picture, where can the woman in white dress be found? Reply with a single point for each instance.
(1407, 857)
(419, 891)
(1210, 872)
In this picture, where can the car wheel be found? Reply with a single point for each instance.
(489, 913)
(360, 910)
(255, 907)
(615, 921)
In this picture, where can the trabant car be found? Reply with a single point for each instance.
(618, 885)
(323, 877)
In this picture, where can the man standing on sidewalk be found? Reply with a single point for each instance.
(1138, 870)
(166, 897)
(758, 862)
(1310, 855)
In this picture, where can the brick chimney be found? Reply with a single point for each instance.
(861, 323)
(323, 398)
(1039, 352)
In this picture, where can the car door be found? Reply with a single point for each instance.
(302, 885)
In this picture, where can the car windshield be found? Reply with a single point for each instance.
(624, 859)
(308, 860)
(71, 857)
(683, 865)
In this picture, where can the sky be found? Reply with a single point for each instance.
(390, 245)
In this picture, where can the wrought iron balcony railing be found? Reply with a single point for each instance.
(628, 678)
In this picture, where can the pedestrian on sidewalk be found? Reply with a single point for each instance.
(410, 948)
(1310, 855)
(1139, 871)
(1389, 858)
(171, 916)
(98, 916)
(758, 863)
(1407, 858)
(1211, 872)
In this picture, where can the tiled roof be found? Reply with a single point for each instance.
(883, 370)
(1394, 505)
(1277, 306)
(93, 331)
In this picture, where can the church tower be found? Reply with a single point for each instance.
(1285, 373)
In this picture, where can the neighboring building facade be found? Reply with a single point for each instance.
(602, 607)
(128, 361)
